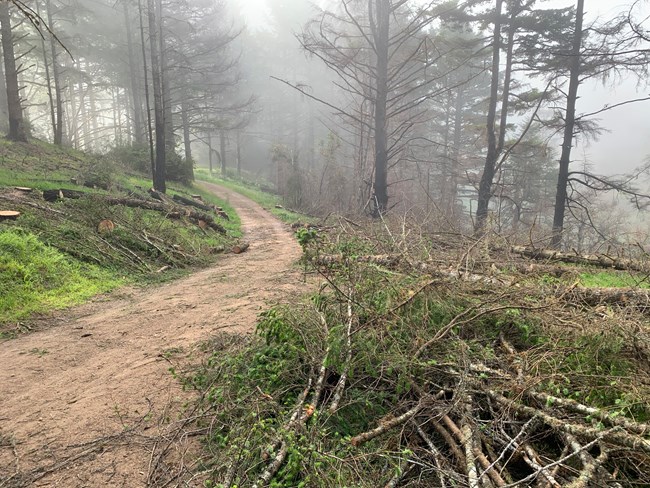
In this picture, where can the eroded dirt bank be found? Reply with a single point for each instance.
(81, 402)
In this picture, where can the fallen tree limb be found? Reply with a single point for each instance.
(615, 435)
(192, 203)
(571, 405)
(385, 426)
(386, 260)
(601, 260)
(171, 211)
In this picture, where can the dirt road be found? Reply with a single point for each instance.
(81, 403)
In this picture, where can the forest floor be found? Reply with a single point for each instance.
(88, 399)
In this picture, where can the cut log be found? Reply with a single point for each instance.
(197, 197)
(105, 227)
(61, 193)
(240, 248)
(191, 203)
(9, 215)
(600, 260)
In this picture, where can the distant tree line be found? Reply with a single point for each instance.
(450, 109)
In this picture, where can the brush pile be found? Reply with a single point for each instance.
(439, 363)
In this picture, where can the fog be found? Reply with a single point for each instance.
(298, 97)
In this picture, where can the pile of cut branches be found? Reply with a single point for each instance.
(432, 368)
(134, 232)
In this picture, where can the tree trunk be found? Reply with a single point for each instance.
(210, 158)
(73, 122)
(455, 156)
(17, 130)
(222, 151)
(187, 142)
(135, 88)
(159, 183)
(4, 108)
(570, 118)
(146, 92)
(381, 33)
(56, 78)
(170, 143)
(83, 115)
(485, 187)
(94, 126)
(239, 154)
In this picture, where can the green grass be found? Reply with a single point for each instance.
(254, 192)
(610, 279)
(53, 256)
(36, 277)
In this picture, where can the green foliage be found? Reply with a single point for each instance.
(135, 157)
(36, 277)
(179, 169)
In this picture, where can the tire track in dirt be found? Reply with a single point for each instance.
(101, 372)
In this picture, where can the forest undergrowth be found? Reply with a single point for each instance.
(433, 360)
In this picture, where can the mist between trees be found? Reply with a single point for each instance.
(462, 114)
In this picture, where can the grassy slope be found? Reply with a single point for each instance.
(54, 256)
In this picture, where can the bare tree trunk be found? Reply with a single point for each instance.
(485, 187)
(455, 156)
(210, 158)
(135, 88)
(92, 114)
(17, 130)
(159, 183)
(170, 143)
(146, 92)
(239, 154)
(4, 108)
(187, 143)
(570, 118)
(222, 150)
(73, 122)
(56, 78)
(381, 32)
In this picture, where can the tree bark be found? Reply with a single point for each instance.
(4, 109)
(222, 149)
(381, 33)
(17, 130)
(570, 119)
(56, 78)
(146, 92)
(187, 143)
(135, 88)
(159, 183)
(239, 154)
(485, 187)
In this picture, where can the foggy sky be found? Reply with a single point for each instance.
(626, 142)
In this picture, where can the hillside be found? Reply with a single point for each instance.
(88, 225)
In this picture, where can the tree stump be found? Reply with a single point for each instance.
(9, 215)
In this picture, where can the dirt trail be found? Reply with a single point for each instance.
(102, 371)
